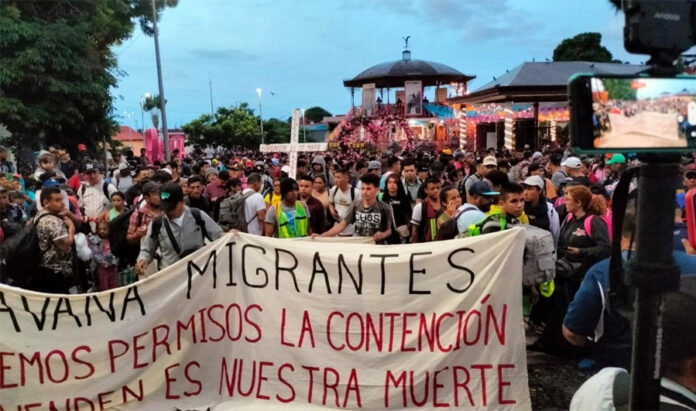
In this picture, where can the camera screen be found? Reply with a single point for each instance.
(643, 112)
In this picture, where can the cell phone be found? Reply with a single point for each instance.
(632, 113)
(690, 206)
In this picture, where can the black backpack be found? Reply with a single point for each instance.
(20, 253)
(118, 237)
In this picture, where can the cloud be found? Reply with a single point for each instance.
(479, 21)
(230, 55)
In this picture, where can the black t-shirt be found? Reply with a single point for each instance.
(369, 221)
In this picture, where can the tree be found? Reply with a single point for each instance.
(234, 126)
(316, 114)
(152, 105)
(57, 67)
(276, 131)
(620, 89)
(583, 47)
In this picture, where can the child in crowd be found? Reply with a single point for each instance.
(104, 263)
(118, 201)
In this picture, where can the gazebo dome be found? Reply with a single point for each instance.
(393, 74)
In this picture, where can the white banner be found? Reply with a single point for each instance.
(252, 322)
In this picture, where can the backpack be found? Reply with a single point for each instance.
(232, 214)
(21, 253)
(539, 264)
(587, 224)
(118, 237)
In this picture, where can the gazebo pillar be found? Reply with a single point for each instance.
(536, 124)
(509, 123)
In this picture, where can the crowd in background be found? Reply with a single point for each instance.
(100, 227)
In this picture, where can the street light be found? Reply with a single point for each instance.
(163, 101)
(304, 128)
(258, 91)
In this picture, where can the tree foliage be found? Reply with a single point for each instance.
(620, 89)
(316, 114)
(57, 67)
(235, 126)
(583, 47)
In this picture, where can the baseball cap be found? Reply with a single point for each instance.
(374, 165)
(482, 188)
(423, 168)
(285, 169)
(91, 167)
(249, 164)
(617, 159)
(490, 161)
(211, 171)
(572, 162)
(171, 194)
(50, 183)
(535, 181)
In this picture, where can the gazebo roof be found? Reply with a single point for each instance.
(394, 73)
(542, 81)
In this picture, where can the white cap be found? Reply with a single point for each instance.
(285, 169)
(537, 154)
(490, 161)
(534, 181)
(572, 162)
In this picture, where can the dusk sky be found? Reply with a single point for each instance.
(302, 50)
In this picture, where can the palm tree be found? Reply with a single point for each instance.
(152, 105)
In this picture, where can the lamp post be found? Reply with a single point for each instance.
(304, 128)
(258, 91)
(165, 132)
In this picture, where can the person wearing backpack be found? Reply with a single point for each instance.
(56, 235)
(510, 209)
(580, 246)
(245, 211)
(127, 230)
(341, 198)
(426, 213)
(95, 193)
(177, 232)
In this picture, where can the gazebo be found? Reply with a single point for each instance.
(543, 86)
(411, 117)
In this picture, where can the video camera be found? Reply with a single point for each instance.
(652, 110)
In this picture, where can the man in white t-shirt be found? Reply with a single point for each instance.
(341, 198)
(254, 206)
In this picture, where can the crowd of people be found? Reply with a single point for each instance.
(99, 228)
